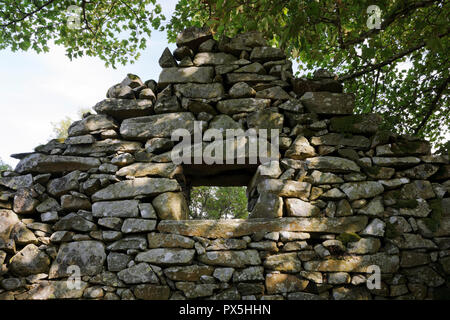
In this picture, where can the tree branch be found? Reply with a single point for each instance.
(433, 105)
(26, 15)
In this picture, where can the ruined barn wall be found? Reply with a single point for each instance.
(344, 195)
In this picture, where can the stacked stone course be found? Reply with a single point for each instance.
(343, 196)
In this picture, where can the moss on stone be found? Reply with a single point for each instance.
(391, 232)
(347, 237)
(433, 221)
(409, 203)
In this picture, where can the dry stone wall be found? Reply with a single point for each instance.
(109, 205)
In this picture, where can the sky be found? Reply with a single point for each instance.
(38, 89)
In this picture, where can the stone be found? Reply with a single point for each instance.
(417, 189)
(213, 58)
(336, 139)
(332, 164)
(300, 149)
(40, 163)
(387, 263)
(201, 91)
(147, 94)
(165, 170)
(420, 209)
(284, 262)
(375, 228)
(284, 283)
(25, 202)
(255, 67)
(362, 190)
(137, 187)
(251, 78)
(357, 293)
(265, 119)
(186, 75)
(74, 221)
(223, 122)
(139, 273)
(239, 227)
(117, 261)
(171, 206)
(75, 202)
(266, 54)
(413, 241)
(226, 244)
(192, 290)
(89, 256)
(161, 240)
(424, 275)
(249, 274)
(292, 105)
(10, 284)
(325, 178)
(234, 259)
(299, 208)
(121, 109)
(129, 243)
(413, 259)
(92, 123)
(30, 260)
(304, 296)
(167, 60)
(338, 278)
(165, 256)
(241, 90)
(223, 274)
(285, 188)
(45, 290)
(364, 246)
(193, 37)
(17, 182)
(152, 292)
(268, 205)
(125, 209)
(395, 162)
(358, 123)
(159, 126)
(374, 208)
(188, 273)
(274, 93)
(167, 105)
(234, 106)
(329, 103)
(132, 225)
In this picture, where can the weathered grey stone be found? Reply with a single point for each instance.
(192, 37)
(268, 205)
(117, 261)
(235, 259)
(242, 105)
(364, 246)
(274, 93)
(357, 293)
(133, 243)
(171, 206)
(242, 90)
(422, 209)
(328, 103)
(395, 162)
(139, 169)
(358, 123)
(24, 201)
(213, 58)
(188, 273)
(336, 139)
(362, 190)
(417, 189)
(300, 208)
(266, 54)
(186, 75)
(202, 91)
(223, 274)
(424, 275)
(167, 105)
(125, 209)
(139, 273)
(265, 119)
(300, 149)
(76, 222)
(284, 262)
(332, 164)
(375, 228)
(162, 240)
(192, 290)
(284, 283)
(238, 228)
(167, 60)
(292, 105)
(121, 109)
(160, 125)
(45, 290)
(413, 241)
(107, 146)
(374, 208)
(252, 78)
(164, 256)
(92, 123)
(387, 264)
(89, 256)
(137, 187)
(40, 163)
(226, 244)
(304, 296)
(223, 122)
(285, 188)
(17, 182)
(29, 260)
(75, 202)
(132, 225)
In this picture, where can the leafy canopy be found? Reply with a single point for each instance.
(400, 70)
(218, 203)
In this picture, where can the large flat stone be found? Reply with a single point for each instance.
(160, 125)
(332, 164)
(89, 256)
(185, 75)
(107, 146)
(362, 190)
(201, 91)
(213, 58)
(164, 256)
(125, 209)
(121, 109)
(240, 227)
(17, 182)
(137, 187)
(248, 77)
(387, 264)
(336, 139)
(234, 259)
(40, 163)
(233, 106)
(328, 103)
(140, 169)
(92, 123)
